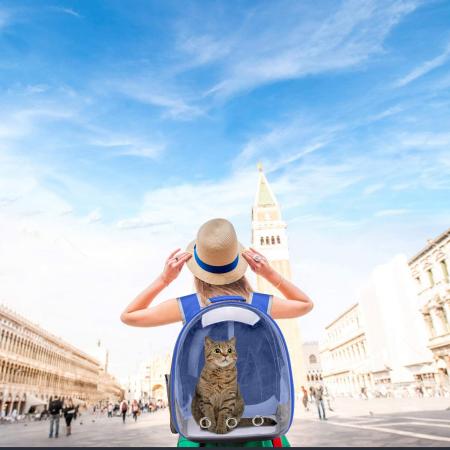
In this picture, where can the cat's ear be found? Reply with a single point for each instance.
(232, 341)
(208, 341)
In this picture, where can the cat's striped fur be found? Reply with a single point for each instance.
(217, 395)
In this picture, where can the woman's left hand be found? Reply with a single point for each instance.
(258, 263)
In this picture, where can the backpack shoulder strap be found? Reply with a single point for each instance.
(189, 306)
(262, 301)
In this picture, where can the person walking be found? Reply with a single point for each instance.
(327, 396)
(124, 409)
(110, 409)
(318, 397)
(305, 398)
(54, 409)
(218, 262)
(135, 410)
(69, 412)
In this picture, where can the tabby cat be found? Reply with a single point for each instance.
(217, 395)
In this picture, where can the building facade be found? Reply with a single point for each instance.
(379, 345)
(270, 238)
(343, 355)
(36, 365)
(148, 383)
(430, 271)
(159, 367)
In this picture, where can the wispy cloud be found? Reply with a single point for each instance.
(4, 19)
(69, 11)
(424, 68)
(137, 223)
(22, 121)
(127, 145)
(268, 46)
(372, 188)
(94, 216)
(162, 95)
(390, 212)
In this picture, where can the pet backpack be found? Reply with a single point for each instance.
(263, 368)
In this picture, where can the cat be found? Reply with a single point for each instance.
(217, 395)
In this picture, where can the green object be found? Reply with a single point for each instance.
(183, 442)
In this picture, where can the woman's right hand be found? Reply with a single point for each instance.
(174, 264)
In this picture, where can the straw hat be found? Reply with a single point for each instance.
(216, 253)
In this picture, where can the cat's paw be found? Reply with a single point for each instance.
(222, 428)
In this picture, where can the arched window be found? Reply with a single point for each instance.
(312, 359)
(278, 240)
(267, 240)
(262, 240)
(273, 240)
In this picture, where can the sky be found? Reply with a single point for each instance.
(125, 125)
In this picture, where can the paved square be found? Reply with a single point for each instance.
(353, 423)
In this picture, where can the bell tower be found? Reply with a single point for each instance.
(270, 238)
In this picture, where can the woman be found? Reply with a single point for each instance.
(305, 398)
(218, 262)
(123, 410)
(69, 411)
(135, 410)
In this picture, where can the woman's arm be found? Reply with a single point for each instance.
(138, 314)
(297, 303)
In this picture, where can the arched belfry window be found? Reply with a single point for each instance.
(278, 240)
(312, 359)
(262, 240)
(267, 240)
(273, 240)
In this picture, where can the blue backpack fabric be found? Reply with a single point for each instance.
(263, 366)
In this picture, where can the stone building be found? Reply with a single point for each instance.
(36, 365)
(380, 342)
(430, 270)
(159, 367)
(343, 354)
(270, 238)
(148, 383)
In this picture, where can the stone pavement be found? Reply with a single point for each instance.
(151, 429)
(354, 423)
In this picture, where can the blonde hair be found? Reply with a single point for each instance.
(206, 290)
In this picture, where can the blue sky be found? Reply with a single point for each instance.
(130, 123)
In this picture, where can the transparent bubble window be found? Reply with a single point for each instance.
(263, 371)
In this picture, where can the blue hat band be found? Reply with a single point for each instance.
(215, 269)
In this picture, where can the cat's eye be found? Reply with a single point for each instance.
(229, 350)
(217, 350)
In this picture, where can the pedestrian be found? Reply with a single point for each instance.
(54, 409)
(318, 397)
(110, 409)
(364, 393)
(311, 394)
(216, 242)
(135, 410)
(14, 415)
(327, 396)
(305, 398)
(124, 409)
(69, 412)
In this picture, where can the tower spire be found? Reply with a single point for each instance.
(264, 194)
